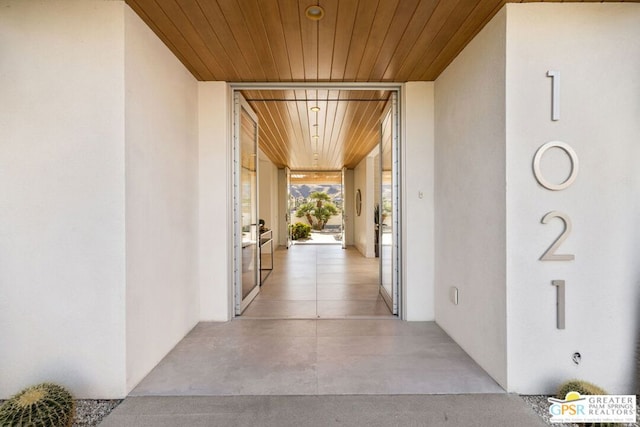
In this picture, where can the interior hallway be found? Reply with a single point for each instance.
(320, 281)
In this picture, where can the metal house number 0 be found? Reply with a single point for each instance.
(574, 165)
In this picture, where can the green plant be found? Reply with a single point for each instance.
(320, 207)
(43, 405)
(300, 230)
(585, 389)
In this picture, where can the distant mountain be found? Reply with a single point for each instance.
(334, 189)
(300, 190)
(304, 190)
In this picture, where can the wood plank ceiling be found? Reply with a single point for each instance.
(356, 41)
(342, 132)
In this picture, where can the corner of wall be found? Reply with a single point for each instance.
(470, 206)
(417, 166)
(161, 198)
(215, 254)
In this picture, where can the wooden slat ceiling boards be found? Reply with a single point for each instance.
(355, 41)
(342, 132)
(316, 177)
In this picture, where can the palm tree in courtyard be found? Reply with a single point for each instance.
(319, 207)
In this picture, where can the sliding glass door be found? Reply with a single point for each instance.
(247, 265)
(387, 209)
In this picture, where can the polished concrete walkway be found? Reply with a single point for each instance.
(477, 410)
(316, 357)
(320, 281)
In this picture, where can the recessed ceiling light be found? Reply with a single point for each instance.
(315, 154)
(315, 108)
(315, 13)
(315, 136)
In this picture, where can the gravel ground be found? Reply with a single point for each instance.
(89, 413)
(540, 406)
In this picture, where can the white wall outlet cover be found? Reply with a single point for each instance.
(453, 295)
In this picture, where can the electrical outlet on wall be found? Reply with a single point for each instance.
(453, 295)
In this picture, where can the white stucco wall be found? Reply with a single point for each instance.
(161, 199)
(417, 169)
(470, 217)
(62, 206)
(364, 233)
(596, 49)
(215, 209)
(268, 195)
(349, 207)
(283, 232)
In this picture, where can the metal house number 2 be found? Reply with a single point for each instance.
(550, 254)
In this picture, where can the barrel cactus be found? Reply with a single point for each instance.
(585, 389)
(43, 405)
(582, 387)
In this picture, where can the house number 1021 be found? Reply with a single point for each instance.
(550, 254)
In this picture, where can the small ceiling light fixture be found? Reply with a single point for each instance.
(314, 13)
(315, 136)
(315, 109)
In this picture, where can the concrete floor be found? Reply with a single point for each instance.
(320, 281)
(316, 357)
(479, 410)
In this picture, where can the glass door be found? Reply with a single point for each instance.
(387, 210)
(246, 242)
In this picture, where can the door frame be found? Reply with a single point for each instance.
(287, 177)
(343, 191)
(240, 303)
(391, 299)
(364, 86)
